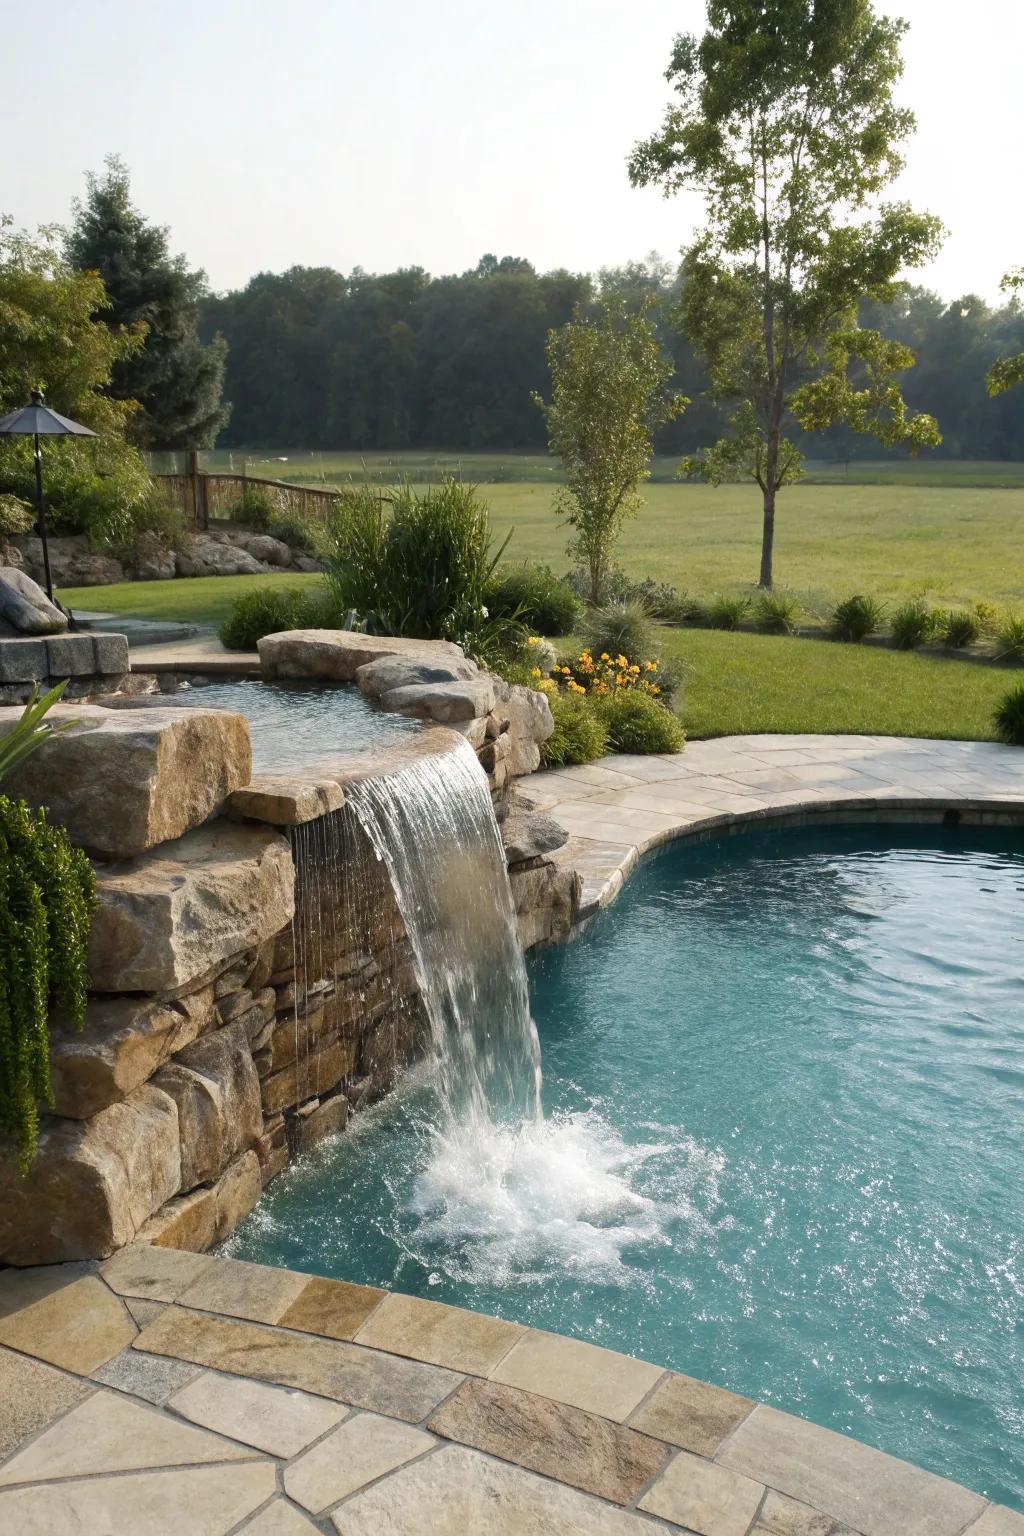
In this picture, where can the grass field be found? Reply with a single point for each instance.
(952, 532)
(733, 683)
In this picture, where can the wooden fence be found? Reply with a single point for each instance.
(203, 498)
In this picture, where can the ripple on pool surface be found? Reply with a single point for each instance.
(294, 725)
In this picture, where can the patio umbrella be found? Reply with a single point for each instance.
(37, 420)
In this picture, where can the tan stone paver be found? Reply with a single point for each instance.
(691, 1414)
(999, 1521)
(279, 1519)
(31, 1395)
(783, 1516)
(704, 1497)
(279, 1420)
(440, 1335)
(864, 1488)
(110, 1433)
(143, 1312)
(358, 1451)
(583, 1375)
(457, 1492)
(156, 1274)
(77, 1326)
(185, 1501)
(565, 1443)
(364, 1378)
(333, 1308)
(151, 1377)
(252, 1291)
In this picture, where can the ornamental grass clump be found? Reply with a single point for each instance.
(913, 623)
(726, 611)
(619, 627)
(855, 618)
(1009, 717)
(959, 628)
(777, 613)
(1010, 636)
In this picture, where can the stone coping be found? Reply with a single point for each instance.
(623, 807)
(165, 1391)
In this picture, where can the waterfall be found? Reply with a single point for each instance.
(433, 826)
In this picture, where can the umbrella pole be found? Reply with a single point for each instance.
(40, 503)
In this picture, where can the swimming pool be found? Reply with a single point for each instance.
(784, 1078)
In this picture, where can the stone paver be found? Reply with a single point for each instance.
(704, 1497)
(199, 1501)
(456, 1492)
(440, 1335)
(156, 1274)
(782, 1516)
(151, 1377)
(565, 1443)
(78, 1327)
(279, 1420)
(862, 1487)
(279, 1519)
(31, 1396)
(333, 1308)
(358, 1451)
(364, 1378)
(252, 1291)
(999, 1521)
(691, 1414)
(107, 1433)
(583, 1375)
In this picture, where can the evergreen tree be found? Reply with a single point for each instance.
(177, 381)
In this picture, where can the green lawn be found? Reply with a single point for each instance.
(734, 683)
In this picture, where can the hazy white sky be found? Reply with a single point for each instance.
(384, 133)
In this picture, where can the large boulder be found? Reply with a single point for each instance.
(168, 919)
(526, 716)
(124, 1041)
(529, 835)
(389, 672)
(215, 1086)
(25, 607)
(153, 560)
(207, 556)
(447, 703)
(337, 654)
(271, 551)
(93, 1182)
(122, 781)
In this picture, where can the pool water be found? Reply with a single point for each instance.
(784, 1080)
(297, 725)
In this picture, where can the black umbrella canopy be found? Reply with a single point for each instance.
(37, 420)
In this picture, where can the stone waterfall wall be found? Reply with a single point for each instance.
(230, 1026)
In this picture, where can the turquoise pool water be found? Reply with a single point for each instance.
(784, 1080)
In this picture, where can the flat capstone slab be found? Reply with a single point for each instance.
(172, 1392)
(40, 659)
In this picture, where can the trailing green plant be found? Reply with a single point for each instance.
(726, 611)
(534, 595)
(31, 729)
(268, 610)
(639, 723)
(777, 613)
(855, 618)
(619, 628)
(16, 516)
(1009, 717)
(913, 623)
(959, 627)
(1010, 636)
(416, 565)
(580, 734)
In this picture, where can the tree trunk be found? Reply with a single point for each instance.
(767, 538)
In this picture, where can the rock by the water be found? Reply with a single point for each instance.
(444, 702)
(25, 606)
(529, 834)
(337, 654)
(389, 672)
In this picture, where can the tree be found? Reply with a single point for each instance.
(1008, 371)
(785, 120)
(177, 381)
(609, 396)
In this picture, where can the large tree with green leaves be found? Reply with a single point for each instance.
(609, 396)
(1008, 371)
(785, 121)
(177, 381)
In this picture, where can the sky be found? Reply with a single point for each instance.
(387, 133)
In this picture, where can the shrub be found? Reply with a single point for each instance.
(660, 598)
(959, 627)
(777, 613)
(855, 618)
(580, 734)
(619, 628)
(1010, 636)
(16, 516)
(256, 508)
(726, 611)
(987, 615)
(639, 723)
(912, 623)
(267, 610)
(608, 674)
(1009, 717)
(293, 531)
(536, 596)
